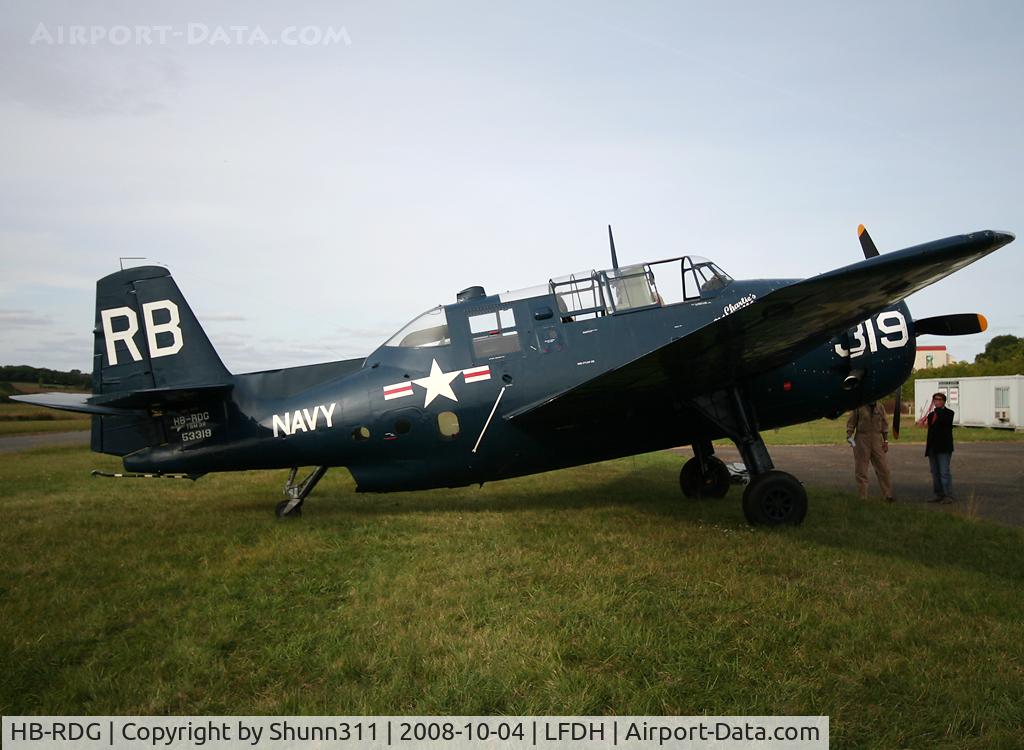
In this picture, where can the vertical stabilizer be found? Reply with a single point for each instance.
(149, 352)
(147, 337)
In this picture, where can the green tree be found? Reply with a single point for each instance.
(1003, 355)
(1001, 349)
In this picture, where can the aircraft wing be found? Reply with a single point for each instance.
(773, 330)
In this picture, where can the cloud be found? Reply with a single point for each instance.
(57, 349)
(42, 260)
(21, 318)
(221, 317)
(77, 81)
(375, 334)
(242, 352)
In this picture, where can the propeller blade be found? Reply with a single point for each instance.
(866, 244)
(960, 324)
(897, 410)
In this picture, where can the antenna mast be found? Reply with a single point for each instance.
(611, 241)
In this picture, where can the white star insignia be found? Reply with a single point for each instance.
(438, 383)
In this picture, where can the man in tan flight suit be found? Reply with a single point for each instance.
(871, 443)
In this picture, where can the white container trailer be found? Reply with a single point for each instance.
(987, 401)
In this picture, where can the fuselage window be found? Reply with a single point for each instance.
(402, 426)
(448, 424)
(361, 433)
(494, 333)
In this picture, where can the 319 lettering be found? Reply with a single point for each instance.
(888, 329)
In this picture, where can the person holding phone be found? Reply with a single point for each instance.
(939, 447)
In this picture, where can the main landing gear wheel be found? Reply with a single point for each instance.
(712, 483)
(282, 507)
(775, 498)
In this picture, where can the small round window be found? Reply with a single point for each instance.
(402, 426)
(361, 433)
(448, 424)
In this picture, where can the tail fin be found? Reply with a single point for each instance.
(155, 373)
(152, 362)
(147, 337)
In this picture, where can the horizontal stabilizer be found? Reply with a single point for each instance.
(123, 404)
(78, 402)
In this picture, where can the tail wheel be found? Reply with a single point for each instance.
(775, 498)
(295, 512)
(711, 483)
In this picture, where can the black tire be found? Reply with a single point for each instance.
(714, 483)
(775, 498)
(293, 513)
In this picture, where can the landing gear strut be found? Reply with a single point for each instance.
(704, 475)
(773, 498)
(296, 492)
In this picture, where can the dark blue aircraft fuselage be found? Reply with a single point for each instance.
(394, 433)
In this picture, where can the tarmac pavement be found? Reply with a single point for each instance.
(988, 478)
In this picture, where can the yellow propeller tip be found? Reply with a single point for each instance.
(860, 229)
(983, 322)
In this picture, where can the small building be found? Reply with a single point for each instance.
(932, 356)
(988, 401)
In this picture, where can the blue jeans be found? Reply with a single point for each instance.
(942, 480)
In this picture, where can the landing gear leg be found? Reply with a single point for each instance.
(773, 497)
(296, 492)
(704, 475)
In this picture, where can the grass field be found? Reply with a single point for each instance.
(588, 591)
(23, 387)
(24, 419)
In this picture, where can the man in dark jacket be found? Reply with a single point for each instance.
(939, 447)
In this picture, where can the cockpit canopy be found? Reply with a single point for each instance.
(590, 294)
(593, 294)
(428, 329)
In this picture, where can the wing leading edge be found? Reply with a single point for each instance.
(776, 328)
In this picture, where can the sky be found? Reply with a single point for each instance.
(315, 175)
